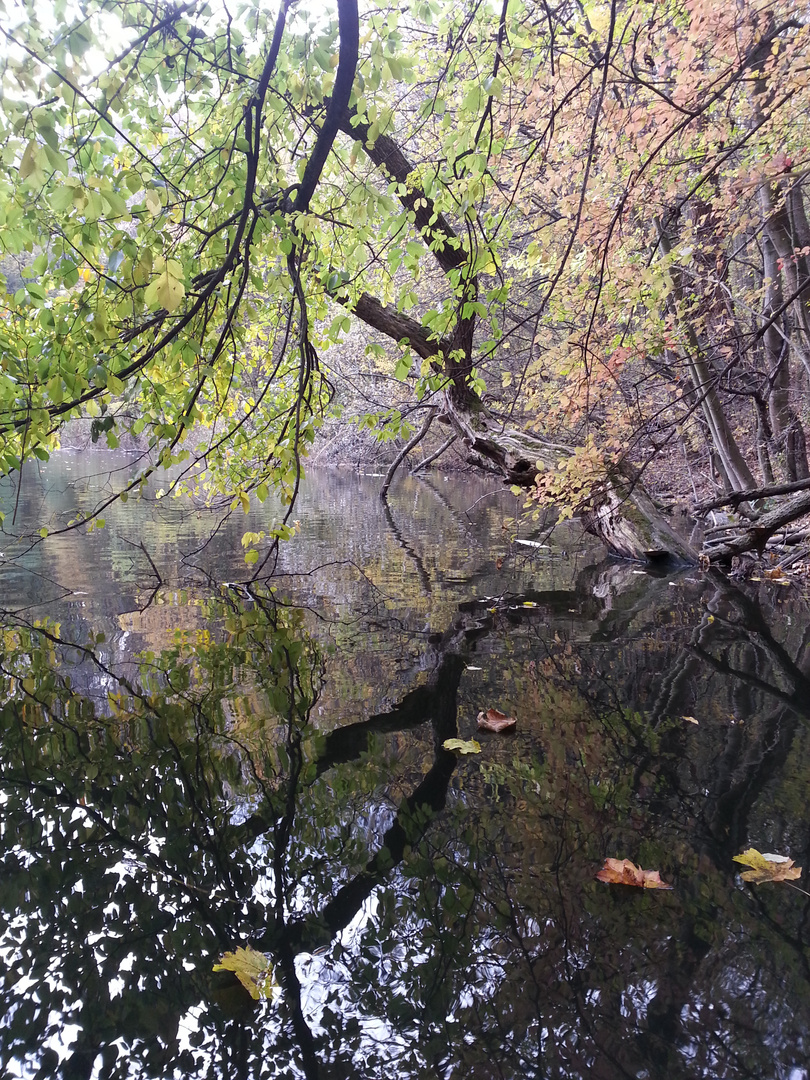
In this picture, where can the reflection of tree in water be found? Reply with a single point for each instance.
(424, 916)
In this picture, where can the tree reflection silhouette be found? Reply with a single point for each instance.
(423, 914)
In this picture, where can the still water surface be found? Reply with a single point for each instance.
(188, 769)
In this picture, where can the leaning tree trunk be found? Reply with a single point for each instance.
(618, 510)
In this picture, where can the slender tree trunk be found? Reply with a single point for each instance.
(795, 266)
(435, 455)
(786, 425)
(414, 441)
(733, 465)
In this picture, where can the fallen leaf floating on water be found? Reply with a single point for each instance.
(464, 746)
(253, 970)
(493, 720)
(767, 867)
(624, 872)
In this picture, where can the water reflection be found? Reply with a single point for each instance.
(426, 915)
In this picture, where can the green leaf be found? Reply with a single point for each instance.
(404, 365)
(115, 202)
(57, 160)
(29, 161)
(133, 181)
(62, 198)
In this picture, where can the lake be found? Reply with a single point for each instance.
(201, 781)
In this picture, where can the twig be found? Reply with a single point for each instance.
(22, 462)
(155, 570)
(436, 454)
(417, 438)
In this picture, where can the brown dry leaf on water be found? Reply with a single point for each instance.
(624, 872)
(493, 720)
(767, 867)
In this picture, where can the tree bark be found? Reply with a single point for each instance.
(733, 465)
(755, 536)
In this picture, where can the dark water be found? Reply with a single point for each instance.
(188, 770)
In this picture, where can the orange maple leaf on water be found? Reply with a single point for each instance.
(624, 872)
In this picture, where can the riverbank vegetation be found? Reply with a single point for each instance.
(572, 238)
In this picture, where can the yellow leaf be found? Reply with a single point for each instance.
(165, 292)
(152, 200)
(469, 746)
(170, 291)
(253, 970)
(767, 867)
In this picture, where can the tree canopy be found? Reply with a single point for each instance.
(576, 234)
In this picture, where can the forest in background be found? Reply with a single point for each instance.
(572, 238)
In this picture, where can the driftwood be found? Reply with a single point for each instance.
(754, 535)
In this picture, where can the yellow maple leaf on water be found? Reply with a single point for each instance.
(464, 746)
(767, 867)
(253, 970)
